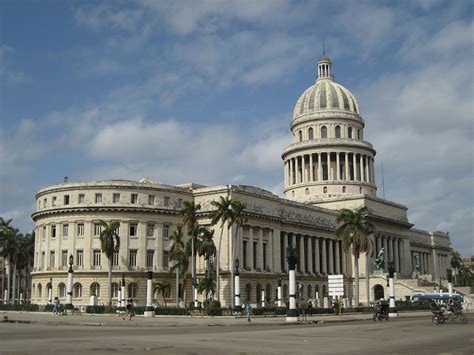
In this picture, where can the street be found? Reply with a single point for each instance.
(415, 335)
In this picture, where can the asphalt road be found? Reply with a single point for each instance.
(416, 335)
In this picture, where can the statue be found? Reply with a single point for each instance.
(417, 266)
(380, 260)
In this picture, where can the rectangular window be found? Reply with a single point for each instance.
(53, 202)
(52, 259)
(45, 201)
(150, 230)
(42, 259)
(80, 258)
(255, 244)
(133, 230)
(151, 200)
(115, 258)
(165, 260)
(166, 201)
(244, 252)
(65, 230)
(66, 199)
(97, 229)
(98, 198)
(96, 257)
(64, 258)
(134, 199)
(53, 231)
(80, 229)
(116, 198)
(82, 198)
(166, 232)
(44, 232)
(149, 258)
(132, 257)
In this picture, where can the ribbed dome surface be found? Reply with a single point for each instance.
(325, 94)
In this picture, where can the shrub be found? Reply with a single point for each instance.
(100, 309)
(171, 311)
(28, 307)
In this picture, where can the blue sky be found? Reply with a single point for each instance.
(203, 91)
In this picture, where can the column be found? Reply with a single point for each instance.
(260, 250)
(297, 170)
(286, 173)
(325, 265)
(367, 174)
(310, 255)
(354, 167)
(301, 253)
(377, 243)
(311, 172)
(149, 310)
(338, 258)
(331, 257)
(285, 245)
(361, 167)
(320, 168)
(338, 167)
(276, 250)
(385, 249)
(316, 256)
(250, 248)
(344, 259)
(330, 177)
(346, 170)
(291, 171)
(397, 261)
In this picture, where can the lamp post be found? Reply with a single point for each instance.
(121, 307)
(279, 291)
(69, 307)
(237, 306)
(50, 291)
(392, 311)
(449, 274)
(149, 310)
(292, 257)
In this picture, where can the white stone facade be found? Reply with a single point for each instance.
(327, 167)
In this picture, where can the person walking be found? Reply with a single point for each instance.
(248, 311)
(56, 306)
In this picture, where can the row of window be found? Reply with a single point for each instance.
(324, 133)
(97, 230)
(97, 258)
(94, 290)
(116, 198)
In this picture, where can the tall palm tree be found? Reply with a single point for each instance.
(456, 262)
(465, 274)
(222, 214)
(109, 243)
(355, 230)
(10, 250)
(189, 214)
(207, 285)
(206, 246)
(238, 219)
(179, 253)
(26, 258)
(163, 288)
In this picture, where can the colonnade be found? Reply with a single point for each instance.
(426, 262)
(443, 264)
(393, 247)
(333, 166)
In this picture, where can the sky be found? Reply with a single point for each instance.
(204, 91)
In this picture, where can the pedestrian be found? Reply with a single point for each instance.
(309, 309)
(248, 311)
(130, 309)
(56, 306)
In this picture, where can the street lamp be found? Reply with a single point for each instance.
(237, 306)
(149, 310)
(392, 311)
(449, 275)
(279, 291)
(50, 291)
(292, 258)
(69, 307)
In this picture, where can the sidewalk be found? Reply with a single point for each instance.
(179, 321)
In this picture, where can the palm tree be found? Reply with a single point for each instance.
(179, 253)
(109, 243)
(238, 219)
(163, 288)
(190, 220)
(456, 262)
(26, 257)
(355, 229)
(10, 250)
(222, 214)
(206, 246)
(465, 274)
(207, 285)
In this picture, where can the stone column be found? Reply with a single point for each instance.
(385, 249)
(250, 248)
(320, 168)
(311, 172)
(291, 172)
(367, 174)
(397, 261)
(325, 265)
(330, 177)
(377, 242)
(310, 255)
(316, 256)
(354, 167)
(346, 170)
(260, 250)
(297, 170)
(390, 249)
(276, 250)
(285, 245)
(149, 311)
(301, 252)
(344, 260)
(361, 167)
(338, 167)
(338, 258)
(372, 161)
(331, 257)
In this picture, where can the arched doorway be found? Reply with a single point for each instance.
(378, 292)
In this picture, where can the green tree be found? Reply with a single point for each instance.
(109, 243)
(206, 246)
(207, 285)
(237, 218)
(163, 288)
(179, 254)
(355, 230)
(222, 214)
(189, 214)
(10, 250)
(465, 275)
(26, 258)
(456, 262)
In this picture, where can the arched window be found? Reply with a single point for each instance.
(310, 133)
(325, 190)
(293, 193)
(95, 289)
(343, 189)
(360, 190)
(33, 291)
(132, 290)
(349, 132)
(324, 132)
(338, 132)
(306, 191)
(358, 134)
(62, 290)
(115, 289)
(310, 291)
(300, 135)
(77, 290)
(316, 292)
(39, 291)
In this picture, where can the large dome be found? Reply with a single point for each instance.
(325, 95)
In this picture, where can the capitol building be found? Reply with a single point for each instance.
(329, 165)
